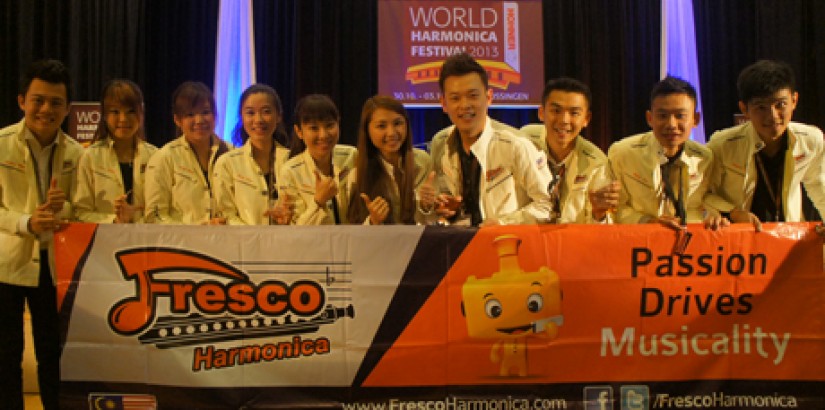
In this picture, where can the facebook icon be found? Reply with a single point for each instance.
(598, 398)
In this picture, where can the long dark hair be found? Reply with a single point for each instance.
(126, 93)
(372, 177)
(239, 135)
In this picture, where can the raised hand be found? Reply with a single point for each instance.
(55, 197)
(325, 189)
(379, 209)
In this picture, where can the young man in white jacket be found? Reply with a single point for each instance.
(486, 175)
(38, 169)
(760, 164)
(663, 173)
(584, 192)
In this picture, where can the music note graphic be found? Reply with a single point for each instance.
(330, 278)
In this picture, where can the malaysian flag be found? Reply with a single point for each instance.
(115, 401)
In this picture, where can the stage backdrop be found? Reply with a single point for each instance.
(410, 317)
(505, 37)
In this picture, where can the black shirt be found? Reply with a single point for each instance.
(127, 174)
(767, 202)
(470, 182)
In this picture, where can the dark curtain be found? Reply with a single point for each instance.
(733, 34)
(613, 46)
(157, 44)
(30, 30)
(316, 46)
(308, 46)
(180, 43)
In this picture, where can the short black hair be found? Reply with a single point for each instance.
(567, 84)
(461, 64)
(673, 85)
(50, 71)
(763, 79)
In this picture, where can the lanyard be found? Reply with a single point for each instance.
(40, 192)
(678, 202)
(271, 188)
(554, 189)
(212, 163)
(776, 196)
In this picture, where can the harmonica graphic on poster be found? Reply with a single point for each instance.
(196, 329)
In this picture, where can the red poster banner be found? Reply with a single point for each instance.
(83, 120)
(505, 37)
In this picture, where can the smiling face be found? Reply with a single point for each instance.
(388, 131)
(197, 123)
(510, 305)
(465, 101)
(44, 106)
(260, 117)
(320, 137)
(770, 115)
(122, 121)
(672, 117)
(564, 115)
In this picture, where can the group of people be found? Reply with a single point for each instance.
(479, 172)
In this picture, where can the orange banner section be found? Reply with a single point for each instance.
(735, 305)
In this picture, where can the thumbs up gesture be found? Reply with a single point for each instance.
(378, 207)
(325, 189)
(55, 197)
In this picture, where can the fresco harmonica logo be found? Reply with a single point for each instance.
(224, 306)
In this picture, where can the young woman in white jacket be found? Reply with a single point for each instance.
(110, 178)
(179, 176)
(246, 180)
(389, 170)
(319, 175)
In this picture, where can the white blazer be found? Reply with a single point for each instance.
(588, 165)
(514, 175)
(636, 163)
(240, 188)
(99, 181)
(735, 172)
(299, 183)
(177, 192)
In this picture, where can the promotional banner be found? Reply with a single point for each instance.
(83, 120)
(405, 317)
(505, 37)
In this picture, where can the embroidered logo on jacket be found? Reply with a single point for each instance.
(493, 173)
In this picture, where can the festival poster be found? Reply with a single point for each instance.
(409, 317)
(505, 37)
(83, 120)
